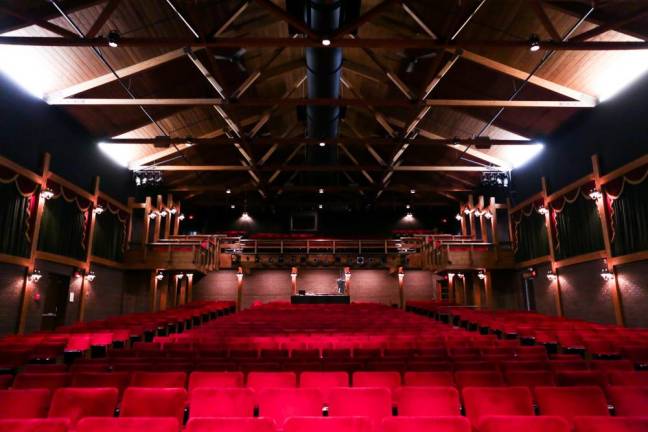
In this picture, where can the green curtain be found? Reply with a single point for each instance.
(532, 240)
(630, 219)
(14, 221)
(578, 228)
(108, 237)
(62, 230)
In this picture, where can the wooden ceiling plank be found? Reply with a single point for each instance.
(265, 117)
(545, 20)
(222, 28)
(616, 25)
(103, 17)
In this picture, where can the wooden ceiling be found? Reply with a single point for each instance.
(388, 130)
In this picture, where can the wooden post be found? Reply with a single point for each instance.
(451, 288)
(239, 289)
(158, 220)
(147, 222)
(558, 294)
(464, 229)
(164, 291)
(605, 224)
(401, 284)
(482, 219)
(181, 292)
(477, 284)
(90, 240)
(510, 221)
(347, 280)
(471, 217)
(293, 280)
(167, 222)
(153, 291)
(28, 286)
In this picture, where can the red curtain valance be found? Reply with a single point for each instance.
(82, 203)
(26, 187)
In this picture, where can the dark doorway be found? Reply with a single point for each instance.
(56, 299)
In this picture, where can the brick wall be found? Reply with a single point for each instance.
(104, 295)
(545, 291)
(585, 295)
(11, 284)
(420, 285)
(633, 283)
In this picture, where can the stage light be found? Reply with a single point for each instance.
(321, 191)
(35, 276)
(607, 275)
(181, 217)
(543, 210)
(90, 276)
(551, 276)
(326, 42)
(481, 275)
(47, 194)
(487, 214)
(98, 210)
(159, 276)
(534, 43)
(113, 39)
(322, 144)
(228, 191)
(595, 195)
(458, 217)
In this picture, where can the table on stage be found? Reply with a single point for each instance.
(320, 299)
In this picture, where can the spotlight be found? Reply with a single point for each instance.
(322, 144)
(321, 191)
(90, 276)
(595, 195)
(181, 217)
(47, 194)
(487, 214)
(35, 276)
(552, 276)
(326, 42)
(113, 39)
(543, 210)
(98, 210)
(534, 43)
(481, 275)
(458, 217)
(607, 275)
(228, 191)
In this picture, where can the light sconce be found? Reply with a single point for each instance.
(173, 211)
(401, 274)
(477, 213)
(487, 214)
(460, 275)
(412, 191)
(458, 217)
(153, 215)
(181, 217)
(228, 191)
(326, 42)
(543, 210)
(607, 275)
(481, 275)
(552, 276)
(98, 210)
(595, 195)
(467, 211)
(180, 275)
(35, 276)
(159, 276)
(47, 194)
(450, 276)
(163, 213)
(320, 190)
(239, 275)
(91, 276)
(246, 216)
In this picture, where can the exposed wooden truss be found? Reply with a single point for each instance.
(325, 168)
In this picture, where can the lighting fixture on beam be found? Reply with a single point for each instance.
(91, 276)
(159, 276)
(551, 276)
(98, 210)
(481, 275)
(181, 217)
(595, 194)
(47, 194)
(543, 210)
(113, 38)
(607, 275)
(534, 43)
(35, 276)
(326, 42)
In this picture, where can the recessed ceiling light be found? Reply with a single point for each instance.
(322, 144)
(326, 42)
(228, 191)
(408, 206)
(232, 206)
(320, 206)
(113, 39)
(412, 191)
(321, 190)
(534, 43)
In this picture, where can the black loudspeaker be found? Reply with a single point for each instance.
(302, 292)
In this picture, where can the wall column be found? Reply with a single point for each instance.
(293, 281)
(451, 287)
(488, 289)
(239, 289)
(401, 286)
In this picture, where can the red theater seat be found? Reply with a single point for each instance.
(231, 425)
(478, 379)
(628, 378)
(523, 424)
(390, 380)
(50, 381)
(28, 403)
(569, 402)
(261, 380)
(629, 401)
(158, 379)
(135, 424)
(118, 380)
(426, 424)
(33, 425)
(74, 404)
(328, 424)
(581, 378)
(508, 401)
(215, 379)
(374, 403)
(281, 403)
(523, 365)
(611, 424)
(530, 379)
(323, 380)
(154, 402)
(44, 368)
(222, 402)
(428, 401)
(429, 379)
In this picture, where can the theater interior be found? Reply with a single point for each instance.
(323, 215)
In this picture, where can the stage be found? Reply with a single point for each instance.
(320, 299)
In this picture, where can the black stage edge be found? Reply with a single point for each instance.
(320, 299)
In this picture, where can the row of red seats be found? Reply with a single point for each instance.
(279, 404)
(341, 424)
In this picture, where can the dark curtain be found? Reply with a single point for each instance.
(62, 230)
(108, 237)
(578, 229)
(14, 221)
(630, 219)
(532, 240)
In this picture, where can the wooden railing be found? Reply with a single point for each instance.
(469, 254)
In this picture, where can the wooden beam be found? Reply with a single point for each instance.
(314, 189)
(39, 22)
(603, 28)
(102, 18)
(262, 102)
(324, 168)
(375, 43)
(544, 19)
(229, 21)
(289, 19)
(364, 18)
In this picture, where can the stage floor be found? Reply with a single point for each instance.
(320, 299)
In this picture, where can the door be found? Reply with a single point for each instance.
(56, 297)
